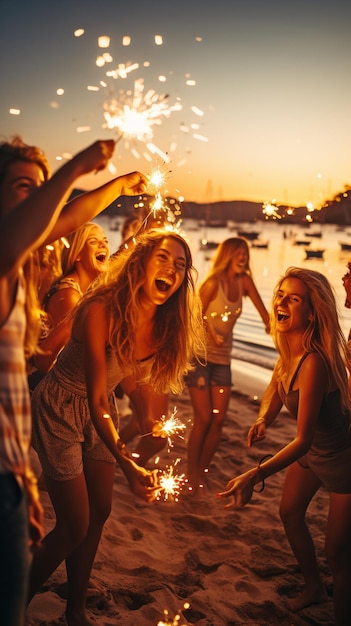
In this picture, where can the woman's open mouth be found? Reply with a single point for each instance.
(101, 257)
(282, 317)
(163, 284)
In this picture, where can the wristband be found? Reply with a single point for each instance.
(258, 467)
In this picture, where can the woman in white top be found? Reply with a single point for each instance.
(221, 293)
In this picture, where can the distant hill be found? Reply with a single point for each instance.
(335, 211)
(236, 210)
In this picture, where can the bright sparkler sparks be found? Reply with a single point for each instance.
(164, 212)
(270, 210)
(157, 178)
(166, 428)
(225, 315)
(169, 621)
(135, 114)
(170, 484)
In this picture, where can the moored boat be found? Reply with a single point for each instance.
(314, 253)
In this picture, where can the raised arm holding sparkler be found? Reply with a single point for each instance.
(31, 206)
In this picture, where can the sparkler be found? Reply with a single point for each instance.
(270, 210)
(134, 114)
(163, 212)
(172, 621)
(166, 428)
(170, 484)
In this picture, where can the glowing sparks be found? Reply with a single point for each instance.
(224, 315)
(167, 428)
(122, 70)
(135, 114)
(65, 242)
(271, 210)
(158, 175)
(197, 111)
(156, 178)
(200, 138)
(103, 41)
(172, 621)
(170, 483)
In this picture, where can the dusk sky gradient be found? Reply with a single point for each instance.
(271, 78)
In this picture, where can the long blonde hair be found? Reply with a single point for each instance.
(223, 258)
(178, 333)
(323, 333)
(76, 242)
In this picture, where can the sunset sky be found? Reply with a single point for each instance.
(266, 114)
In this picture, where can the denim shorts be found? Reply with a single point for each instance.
(211, 374)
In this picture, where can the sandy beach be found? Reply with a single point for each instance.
(211, 566)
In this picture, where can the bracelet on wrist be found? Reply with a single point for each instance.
(258, 467)
(260, 419)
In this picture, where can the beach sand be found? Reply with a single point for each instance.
(229, 567)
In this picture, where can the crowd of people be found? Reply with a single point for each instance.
(79, 327)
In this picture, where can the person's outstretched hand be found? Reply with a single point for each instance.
(144, 483)
(133, 184)
(239, 490)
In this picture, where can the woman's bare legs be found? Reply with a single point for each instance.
(338, 554)
(202, 412)
(71, 505)
(210, 406)
(99, 477)
(299, 488)
(81, 506)
(220, 397)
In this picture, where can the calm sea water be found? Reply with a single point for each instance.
(250, 342)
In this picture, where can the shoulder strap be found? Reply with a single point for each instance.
(297, 370)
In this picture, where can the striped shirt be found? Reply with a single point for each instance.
(15, 409)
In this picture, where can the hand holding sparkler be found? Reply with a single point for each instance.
(165, 428)
(133, 184)
(144, 483)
